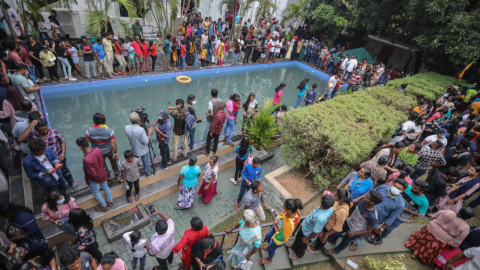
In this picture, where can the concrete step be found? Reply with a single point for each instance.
(280, 261)
(309, 258)
(255, 265)
(152, 189)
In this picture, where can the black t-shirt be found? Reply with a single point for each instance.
(198, 251)
(436, 188)
(225, 33)
(246, 43)
(87, 57)
(61, 51)
(191, 110)
(453, 158)
(433, 130)
(36, 49)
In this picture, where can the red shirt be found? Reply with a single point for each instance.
(137, 48)
(235, 107)
(145, 50)
(190, 237)
(183, 52)
(217, 123)
(153, 51)
(94, 167)
(118, 47)
(230, 18)
(337, 86)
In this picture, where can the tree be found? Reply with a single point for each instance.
(327, 22)
(296, 12)
(98, 16)
(159, 9)
(447, 31)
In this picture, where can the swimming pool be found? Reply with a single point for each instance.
(69, 108)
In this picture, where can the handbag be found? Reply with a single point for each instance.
(249, 159)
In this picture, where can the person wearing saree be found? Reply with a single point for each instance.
(357, 183)
(409, 154)
(296, 49)
(249, 241)
(392, 153)
(207, 252)
(221, 51)
(445, 228)
(209, 184)
(189, 238)
(290, 49)
(21, 228)
(447, 253)
(57, 209)
(464, 186)
(302, 52)
(282, 228)
(187, 181)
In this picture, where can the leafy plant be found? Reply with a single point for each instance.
(389, 264)
(262, 128)
(98, 16)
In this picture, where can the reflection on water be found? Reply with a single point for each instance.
(71, 112)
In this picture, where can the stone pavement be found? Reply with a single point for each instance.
(220, 208)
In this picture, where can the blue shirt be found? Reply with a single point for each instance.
(166, 128)
(311, 95)
(252, 174)
(237, 18)
(98, 49)
(168, 46)
(138, 139)
(316, 221)
(301, 92)
(246, 154)
(190, 175)
(390, 208)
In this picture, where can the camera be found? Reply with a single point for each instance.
(143, 116)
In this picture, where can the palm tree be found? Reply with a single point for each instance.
(159, 9)
(265, 7)
(98, 15)
(296, 12)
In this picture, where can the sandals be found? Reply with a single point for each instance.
(137, 197)
(75, 186)
(109, 204)
(263, 261)
(353, 246)
(308, 250)
(129, 200)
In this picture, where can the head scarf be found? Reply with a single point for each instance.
(14, 97)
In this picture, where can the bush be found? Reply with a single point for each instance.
(262, 128)
(331, 137)
(389, 264)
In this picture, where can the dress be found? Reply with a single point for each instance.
(249, 238)
(209, 51)
(190, 237)
(290, 49)
(302, 53)
(146, 66)
(294, 54)
(221, 51)
(191, 55)
(467, 187)
(186, 196)
(425, 245)
(208, 194)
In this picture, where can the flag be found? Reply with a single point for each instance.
(461, 73)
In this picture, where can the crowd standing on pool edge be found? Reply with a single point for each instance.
(440, 140)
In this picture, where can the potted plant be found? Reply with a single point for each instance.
(262, 129)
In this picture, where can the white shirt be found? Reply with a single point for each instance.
(407, 126)
(331, 83)
(126, 45)
(474, 264)
(352, 65)
(344, 63)
(433, 138)
(44, 160)
(464, 118)
(272, 48)
(140, 249)
(278, 45)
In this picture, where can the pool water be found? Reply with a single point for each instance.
(70, 108)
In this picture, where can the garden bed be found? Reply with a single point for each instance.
(130, 220)
(298, 185)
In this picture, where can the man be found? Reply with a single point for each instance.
(315, 48)
(377, 168)
(88, 57)
(34, 52)
(163, 127)
(206, 24)
(355, 81)
(95, 173)
(253, 198)
(278, 46)
(416, 205)
(73, 259)
(43, 166)
(19, 80)
(210, 27)
(179, 128)
(137, 28)
(361, 222)
(21, 126)
(137, 46)
(431, 128)
(311, 227)
(99, 54)
(248, 50)
(108, 49)
(168, 50)
(101, 136)
(472, 253)
(440, 136)
(211, 111)
(139, 139)
(351, 66)
(40, 130)
(204, 37)
(332, 82)
(438, 183)
(250, 173)
(26, 108)
(429, 157)
(163, 240)
(457, 156)
(199, 19)
(345, 61)
(118, 55)
(215, 128)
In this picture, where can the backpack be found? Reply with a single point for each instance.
(190, 122)
(244, 30)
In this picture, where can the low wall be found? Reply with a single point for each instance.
(274, 193)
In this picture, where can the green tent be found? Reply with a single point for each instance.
(360, 53)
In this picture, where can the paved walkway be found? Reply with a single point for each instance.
(220, 208)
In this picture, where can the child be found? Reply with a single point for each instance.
(130, 174)
(131, 60)
(174, 57)
(250, 173)
(48, 59)
(263, 54)
(323, 98)
(236, 106)
(311, 95)
(139, 247)
(281, 115)
(204, 56)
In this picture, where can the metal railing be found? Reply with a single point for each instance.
(270, 224)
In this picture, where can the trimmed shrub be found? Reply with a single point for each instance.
(331, 137)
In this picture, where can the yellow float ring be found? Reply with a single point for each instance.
(183, 79)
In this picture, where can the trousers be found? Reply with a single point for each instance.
(109, 62)
(175, 144)
(121, 62)
(66, 68)
(165, 153)
(88, 65)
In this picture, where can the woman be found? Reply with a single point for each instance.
(256, 51)
(73, 57)
(299, 48)
(189, 238)
(334, 225)
(210, 51)
(302, 87)
(244, 150)
(249, 240)
(357, 183)
(57, 209)
(147, 63)
(182, 28)
(11, 105)
(409, 155)
(207, 252)
(282, 228)
(464, 186)
(209, 183)
(61, 52)
(111, 261)
(249, 110)
(85, 234)
(236, 52)
(391, 152)
(21, 228)
(445, 228)
(188, 30)
(302, 51)
(191, 51)
(472, 240)
(187, 180)
(277, 98)
(414, 135)
(221, 51)
(290, 49)
(405, 172)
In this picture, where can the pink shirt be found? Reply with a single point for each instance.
(119, 265)
(435, 115)
(392, 177)
(277, 97)
(15, 57)
(63, 211)
(230, 109)
(138, 49)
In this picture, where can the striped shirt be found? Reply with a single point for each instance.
(100, 136)
(53, 139)
(161, 245)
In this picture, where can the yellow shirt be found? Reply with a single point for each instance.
(476, 107)
(182, 29)
(204, 54)
(45, 56)
(107, 46)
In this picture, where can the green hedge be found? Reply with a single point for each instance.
(330, 138)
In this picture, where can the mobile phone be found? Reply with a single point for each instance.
(152, 209)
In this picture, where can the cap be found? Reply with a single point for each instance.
(127, 37)
(163, 113)
(134, 117)
(443, 131)
(328, 192)
(44, 47)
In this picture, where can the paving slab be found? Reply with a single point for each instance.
(280, 261)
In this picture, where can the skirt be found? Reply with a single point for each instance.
(146, 65)
(186, 196)
(425, 245)
(191, 59)
(207, 194)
